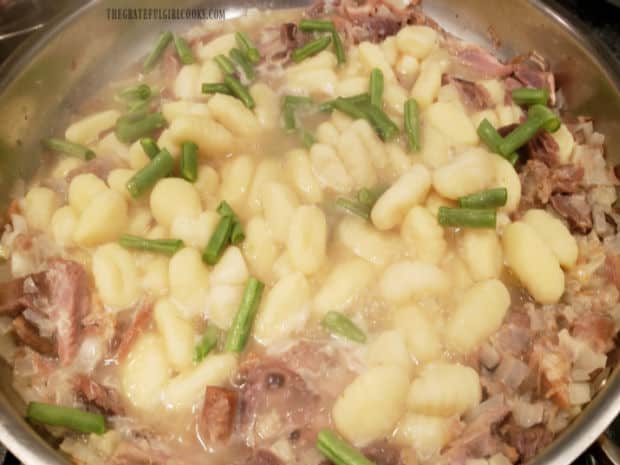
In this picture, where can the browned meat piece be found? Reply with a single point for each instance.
(12, 301)
(215, 424)
(99, 166)
(528, 442)
(69, 301)
(566, 179)
(576, 210)
(475, 97)
(140, 322)
(543, 147)
(536, 185)
(275, 400)
(597, 329)
(29, 335)
(478, 62)
(479, 438)
(533, 70)
(263, 457)
(552, 366)
(612, 269)
(383, 453)
(105, 399)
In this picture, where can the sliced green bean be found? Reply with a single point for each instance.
(521, 135)
(224, 63)
(551, 121)
(348, 108)
(218, 240)
(164, 39)
(143, 180)
(376, 88)
(489, 135)
(189, 161)
(237, 235)
(337, 323)
(384, 126)
(316, 25)
(288, 115)
(67, 417)
(239, 91)
(183, 50)
(357, 208)
(307, 139)
(339, 48)
(150, 147)
(338, 451)
(354, 99)
(137, 109)
(491, 198)
(68, 148)
(130, 131)
(310, 49)
(247, 47)
(467, 217)
(242, 324)
(297, 101)
(207, 343)
(216, 88)
(412, 124)
(137, 92)
(162, 246)
(369, 197)
(244, 62)
(528, 96)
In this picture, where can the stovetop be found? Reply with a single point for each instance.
(602, 18)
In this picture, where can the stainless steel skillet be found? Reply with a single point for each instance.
(51, 73)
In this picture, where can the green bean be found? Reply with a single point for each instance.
(129, 131)
(316, 25)
(67, 417)
(489, 135)
(310, 49)
(163, 246)
(150, 147)
(224, 63)
(242, 324)
(290, 103)
(354, 99)
(337, 323)
(164, 39)
(244, 62)
(237, 234)
(218, 240)
(339, 48)
(207, 343)
(239, 91)
(183, 50)
(384, 126)
(159, 167)
(137, 92)
(551, 121)
(297, 101)
(359, 209)
(466, 217)
(521, 135)
(189, 161)
(68, 148)
(216, 88)
(412, 124)
(338, 451)
(491, 198)
(369, 197)
(307, 139)
(376, 88)
(246, 46)
(288, 115)
(527, 96)
(348, 108)
(136, 110)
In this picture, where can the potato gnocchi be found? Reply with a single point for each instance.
(264, 242)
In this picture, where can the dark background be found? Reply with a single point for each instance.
(602, 19)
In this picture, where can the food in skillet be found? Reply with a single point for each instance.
(339, 236)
